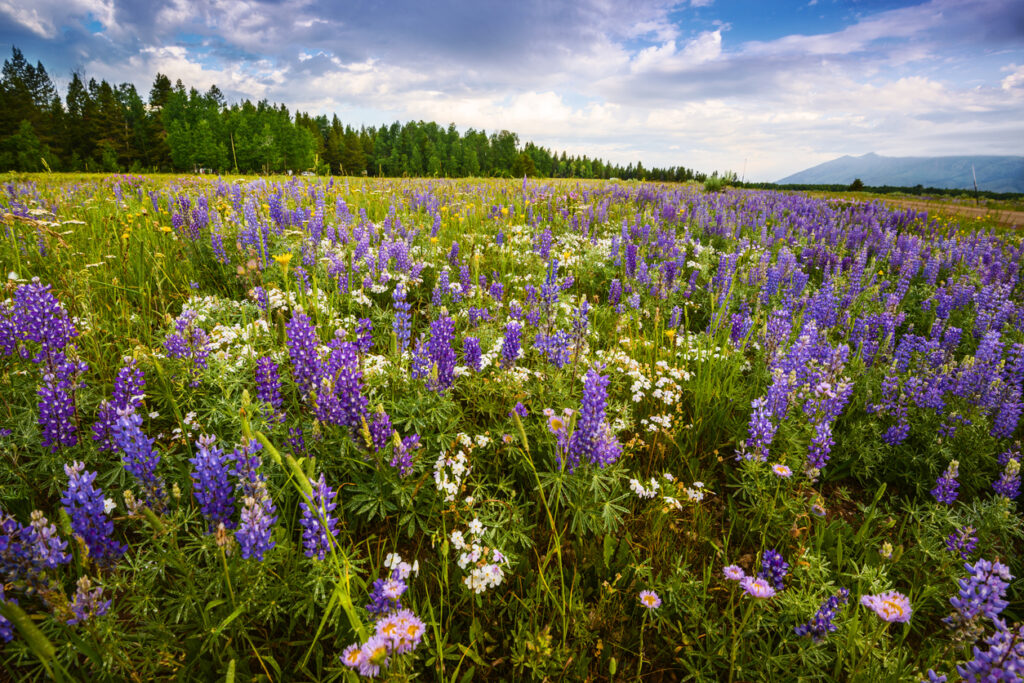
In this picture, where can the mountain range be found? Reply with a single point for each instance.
(995, 173)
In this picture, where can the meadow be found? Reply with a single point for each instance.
(328, 428)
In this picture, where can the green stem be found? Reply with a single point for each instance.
(737, 634)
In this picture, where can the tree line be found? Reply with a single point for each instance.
(98, 126)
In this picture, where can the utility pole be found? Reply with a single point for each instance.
(976, 202)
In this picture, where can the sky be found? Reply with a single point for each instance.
(761, 88)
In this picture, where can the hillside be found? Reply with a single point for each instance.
(995, 173)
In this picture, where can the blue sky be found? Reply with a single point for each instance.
(762, 88)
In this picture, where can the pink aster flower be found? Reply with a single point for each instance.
(781, 470)
(352, 657)
(650, 599)
(734, 573)
(889, 606)
(757, 588)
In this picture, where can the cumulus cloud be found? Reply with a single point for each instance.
(666, 81)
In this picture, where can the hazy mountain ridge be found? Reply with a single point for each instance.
(995, 173)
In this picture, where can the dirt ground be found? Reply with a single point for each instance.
(1005, 218)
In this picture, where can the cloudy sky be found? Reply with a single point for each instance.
(765, 88)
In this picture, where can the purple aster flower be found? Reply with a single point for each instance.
(890, 606)
(650, 600)
(85, 506)
(734, 573)
(352, 656)
(88, 602)
(757, 588)
(375, 655)
(317, 522)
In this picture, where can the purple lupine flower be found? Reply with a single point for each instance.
(520, 410)
(48, 549)
(57, 405)
(317, 522)
(774, 568)
(946, 486)
(138, 455)
(615, 292)
(402, 322)
(258, 517)
(268, 385)
(441, 354)
(386, 595)
(85, 506)
(188, 341)
(401, 457)
(961, 542)
(821, 624)
(1002, 660)
(380, 429)
(210, 484)
(339, 398)
(1008, 484)
(364, 335)
(129, 391)
(592, 438)
(302, 349)
(6, 631)
(88, 602)
(557, 347)
(982, 592)
(471, 353)
(511, 347)
(27, 551)
(37, 316)
(761, 430)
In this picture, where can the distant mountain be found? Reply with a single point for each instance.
(995, 174)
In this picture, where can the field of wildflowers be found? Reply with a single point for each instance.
(321, 429)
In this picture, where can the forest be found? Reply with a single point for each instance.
(104, 127)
